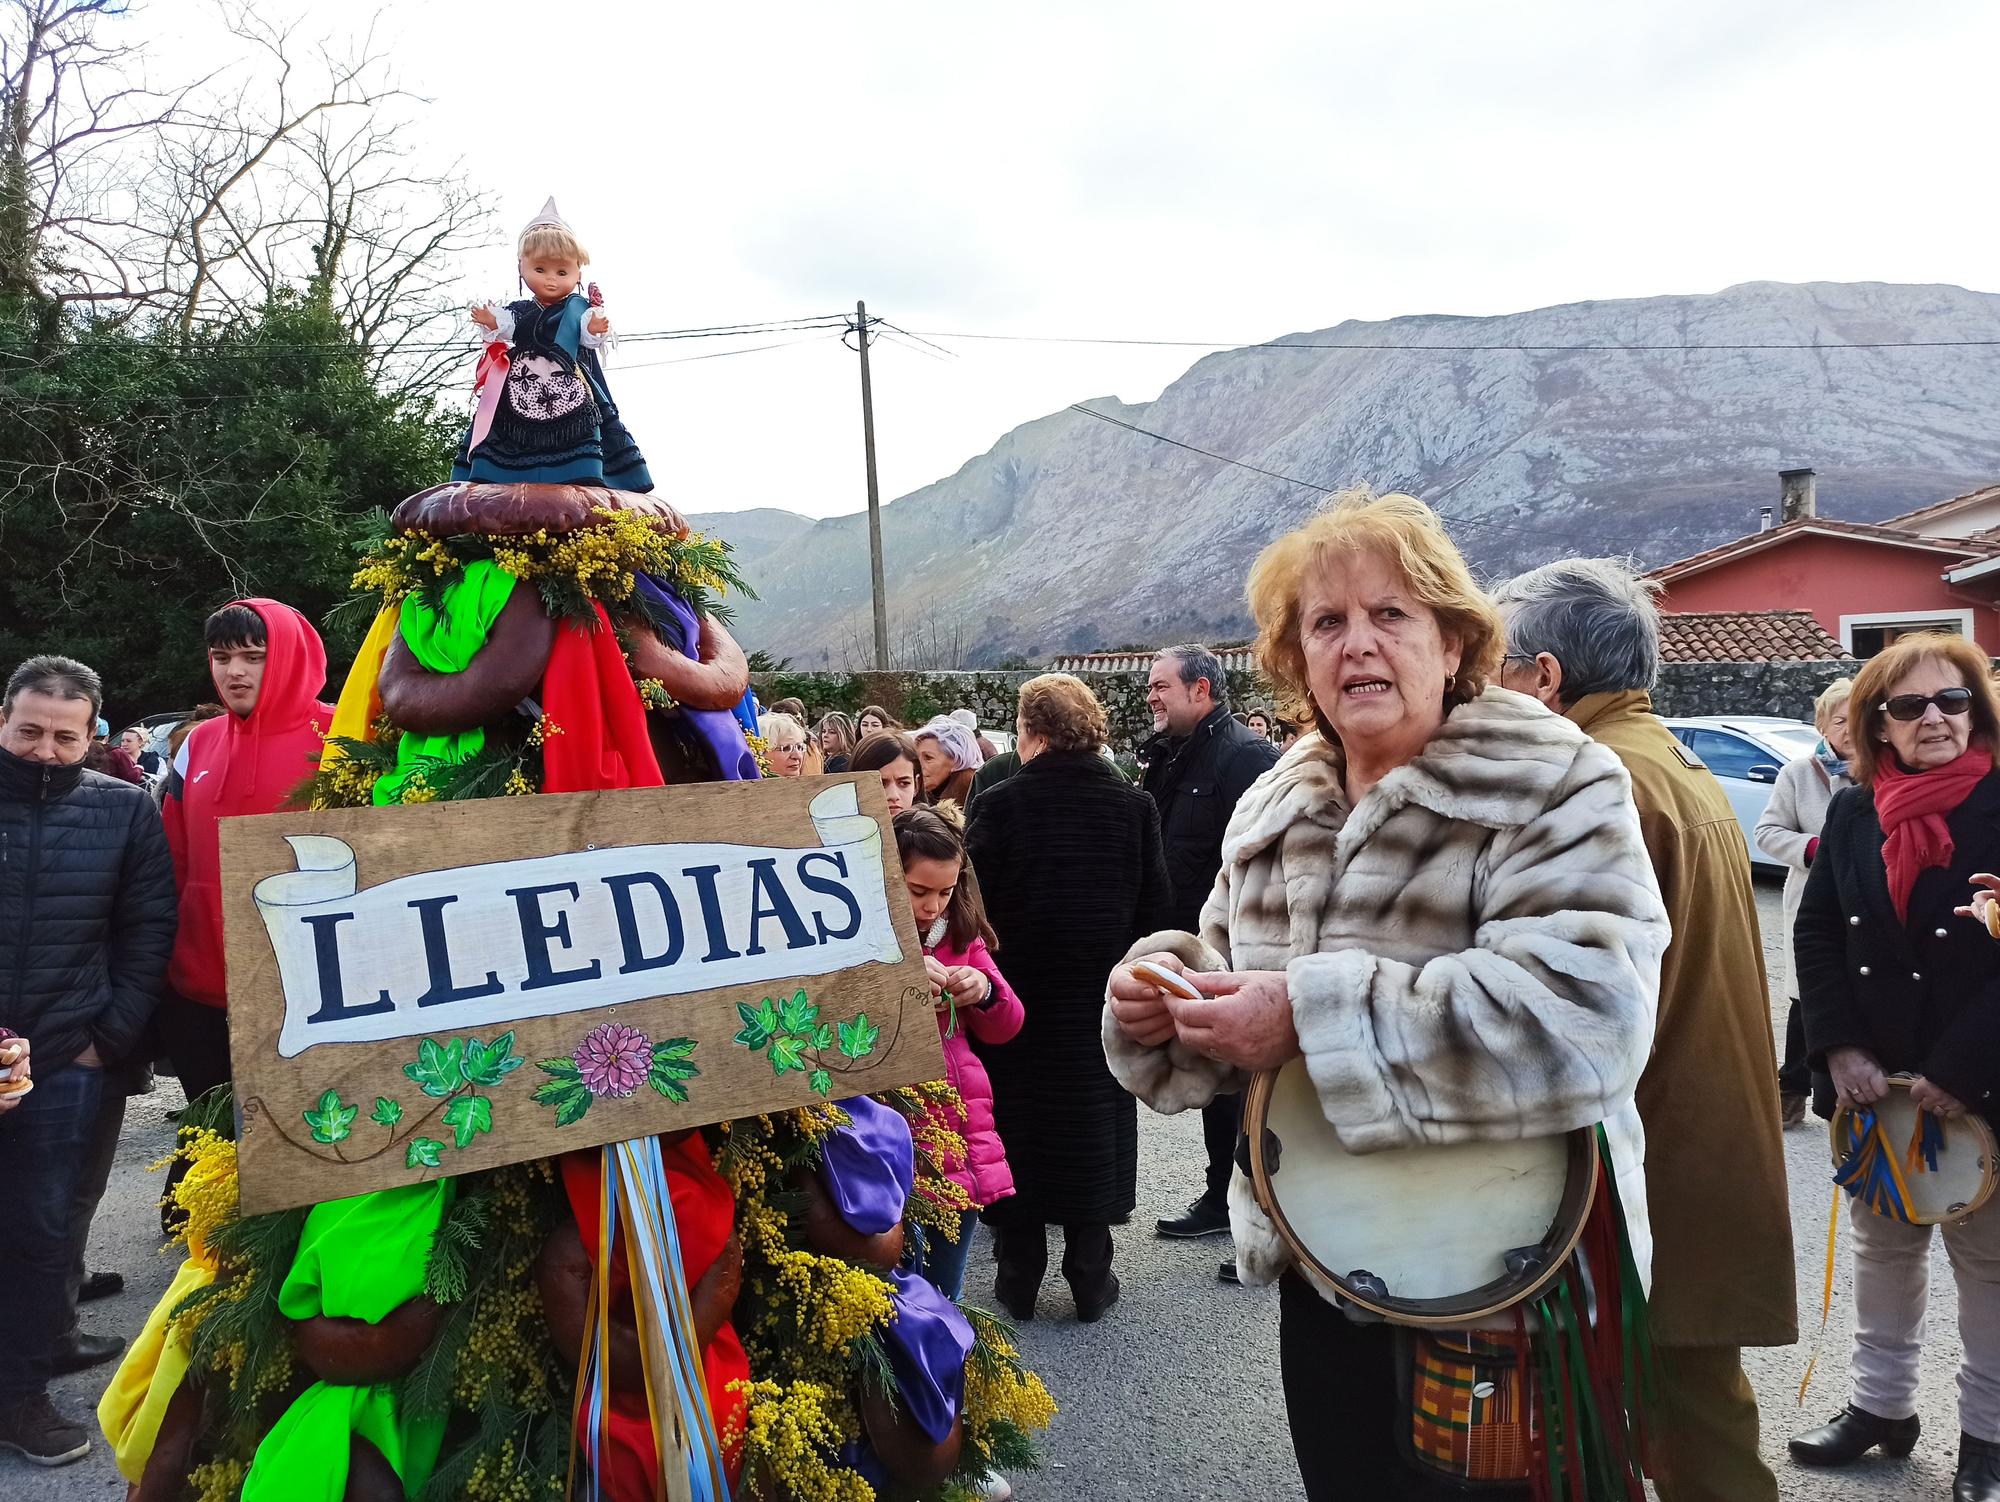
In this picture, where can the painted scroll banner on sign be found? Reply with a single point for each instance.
(485, 945)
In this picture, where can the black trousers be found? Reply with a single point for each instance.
(1022, 1253)
(1794, 1076)
(1221, 1120)
(195, 1040)
(1340, 1399)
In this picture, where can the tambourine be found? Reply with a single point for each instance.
(1446, 1236)
(1910, 1165)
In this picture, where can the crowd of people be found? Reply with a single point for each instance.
(1459, 868)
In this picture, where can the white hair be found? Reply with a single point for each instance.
(957, 742)
(1595, 616)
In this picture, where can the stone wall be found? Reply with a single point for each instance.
(1685, 688)
(914, 697)
(1786, 689)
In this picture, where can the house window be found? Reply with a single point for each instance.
(1867, 635)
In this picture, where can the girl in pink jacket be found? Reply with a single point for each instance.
(971, 997)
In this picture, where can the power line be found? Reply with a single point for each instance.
(1315, 486)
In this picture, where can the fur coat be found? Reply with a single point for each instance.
(1472, 951)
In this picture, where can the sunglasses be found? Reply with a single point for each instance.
(1951, 701)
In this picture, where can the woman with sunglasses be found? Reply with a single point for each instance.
(1893, 981)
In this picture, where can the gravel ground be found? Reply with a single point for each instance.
(1175, 1393)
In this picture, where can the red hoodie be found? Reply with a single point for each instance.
(240, 764)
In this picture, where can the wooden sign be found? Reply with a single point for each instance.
(428, 990)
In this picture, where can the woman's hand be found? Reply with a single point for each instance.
(483, 316)
(1857, 1079)
(16, 1077)
(1245, 1018)
(1139, 1007)
(966, 985)
(1930, 1098)
(939, 978)
(1985, 899)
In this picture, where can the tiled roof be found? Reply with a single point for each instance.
(1914, 521)
(1745, 636)
(1234, 659)
(1822, 526)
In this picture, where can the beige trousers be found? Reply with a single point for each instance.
(1892, 1266)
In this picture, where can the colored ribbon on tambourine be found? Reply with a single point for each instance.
(635, 1203)
(487, 380)
(1876, 1175)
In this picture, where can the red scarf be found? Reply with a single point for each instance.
(587, 691)
(1912, 807)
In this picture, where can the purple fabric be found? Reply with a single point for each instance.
(717, 728)
(928, 1341)
(868, 1167)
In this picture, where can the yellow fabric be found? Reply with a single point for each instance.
(360, 703)
(130, 1411)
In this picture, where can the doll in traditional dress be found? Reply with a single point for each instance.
(544, 413)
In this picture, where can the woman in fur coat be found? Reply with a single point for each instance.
(1440, 897)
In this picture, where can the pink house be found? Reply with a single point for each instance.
(1934, 569)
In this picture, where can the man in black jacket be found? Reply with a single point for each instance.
(86, 923)
(1198, 763)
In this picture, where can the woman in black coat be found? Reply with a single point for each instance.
(1893, 981)
(1070, 863)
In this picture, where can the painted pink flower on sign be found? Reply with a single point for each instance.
(614, 1060)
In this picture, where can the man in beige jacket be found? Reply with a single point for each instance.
(1583, 637)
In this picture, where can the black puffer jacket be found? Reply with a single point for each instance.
(86, 910)
(1922, 995)
(1195, 784)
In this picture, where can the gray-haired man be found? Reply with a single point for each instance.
(1199, 762)
(1583, 637)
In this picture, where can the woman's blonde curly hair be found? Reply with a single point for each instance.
(1407, 535)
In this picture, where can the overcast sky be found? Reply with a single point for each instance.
(1160, 170)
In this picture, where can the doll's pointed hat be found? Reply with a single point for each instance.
(550, 216)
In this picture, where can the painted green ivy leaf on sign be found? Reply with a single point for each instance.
(423, 1152)
(387, 1112)
(797, 1014)
(331, 1121)
(822, 1083)
(759, 1022)
(466, 1116)
(440, 1068)
(857, 1038)
(490, 1063)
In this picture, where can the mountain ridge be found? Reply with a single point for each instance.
(1558, 434)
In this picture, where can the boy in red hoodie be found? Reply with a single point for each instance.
(268, 666)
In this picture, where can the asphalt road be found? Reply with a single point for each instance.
(1175, 1393)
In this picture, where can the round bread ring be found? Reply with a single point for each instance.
(354, 1353)
(514, 510)
(911, 1455)
(827, 1233)
(501, 674)
(718, 679)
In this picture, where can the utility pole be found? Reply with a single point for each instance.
(874, 496)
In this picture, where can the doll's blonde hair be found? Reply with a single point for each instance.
(552, 240)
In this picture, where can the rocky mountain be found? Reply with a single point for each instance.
(1650, 426)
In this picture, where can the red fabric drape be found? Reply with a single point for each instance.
(705, 1211)
(587, 691)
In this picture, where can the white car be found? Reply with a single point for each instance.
(1745, 752)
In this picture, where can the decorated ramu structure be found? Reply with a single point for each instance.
(710, 1313)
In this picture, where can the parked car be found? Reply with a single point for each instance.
(1745, 752)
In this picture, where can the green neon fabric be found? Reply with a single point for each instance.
(444, 641)
(359, 1258)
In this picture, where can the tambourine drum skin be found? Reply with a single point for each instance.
(1966, 1164)
(1425, 1235)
